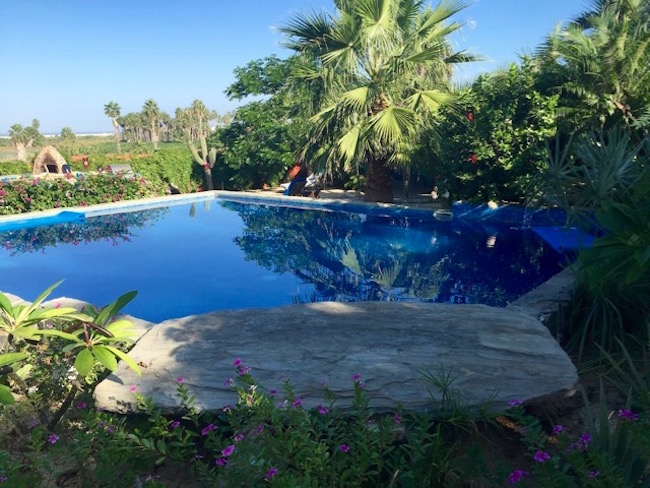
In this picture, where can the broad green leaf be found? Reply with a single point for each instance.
(130, 362)
(6, 398)
(11, 357)
(112, 309)
(27, 310)
(56, 312)
(5, 304)
(84, 361)
(121, 327)
(105, 357)
(58, 333)
(30, 332)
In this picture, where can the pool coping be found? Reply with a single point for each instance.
(331, 204)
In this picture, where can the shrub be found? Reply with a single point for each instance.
(28, 195)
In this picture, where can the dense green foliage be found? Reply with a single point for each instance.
(492, 142)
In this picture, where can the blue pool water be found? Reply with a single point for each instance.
(223, 254)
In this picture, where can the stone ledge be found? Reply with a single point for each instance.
(495, 355)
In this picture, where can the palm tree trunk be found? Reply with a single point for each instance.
(21, 151)
(378, 186)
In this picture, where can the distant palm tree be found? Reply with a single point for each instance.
(384, 67)
(24, 137)
(113, 110)
(152, 117)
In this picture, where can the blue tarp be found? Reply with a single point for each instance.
(61, 217)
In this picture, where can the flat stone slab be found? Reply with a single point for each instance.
(493, 354)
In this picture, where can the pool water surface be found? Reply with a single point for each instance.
(221, 254)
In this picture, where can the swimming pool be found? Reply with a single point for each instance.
(225, 253)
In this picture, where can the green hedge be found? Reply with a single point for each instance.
(15, 168)
(26, 195)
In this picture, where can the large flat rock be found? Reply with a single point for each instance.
(493, 353)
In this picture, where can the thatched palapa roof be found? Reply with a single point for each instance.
(49, 160)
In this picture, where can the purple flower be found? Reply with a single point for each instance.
(273, 392)
(208, 429)
(322, 410)
(226, 408)
(594, 473)
(344, 448)
(542, 456)
(516, 476)
(628, 414)
(397, 419)
(259, 429)
(238, 438)
(175, 424)
(3, 479)
(297, 402)
(80, 405)
(515, 402)
(221, 462)
(228, 451)
(180, 379)
(133, 388)
(111, 428)
(53, 439)
(229, 382)
(270, 473)
(237, 363)
(558, 429)
(244, 370)
(356, 377)
(585, 438)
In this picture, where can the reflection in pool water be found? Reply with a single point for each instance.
(188, 259)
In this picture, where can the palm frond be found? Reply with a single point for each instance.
(391, 124)
(429, 99)
(307, 31)
(348, 145)
(444, 10)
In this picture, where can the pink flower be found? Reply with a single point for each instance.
(542, 456)
(515, 402)
(238, 438)
(237, 363)
(133, 388)
(558, 429)
(322, 410)
(297, 402)
(344, 448)
(209, 428)
(356, 377)
(53, 439)
(180, 379)
(516, 476)
(397, 419)
(270, 473)
(628, 414)
(221, 462)
(227, 452)
(175, 424)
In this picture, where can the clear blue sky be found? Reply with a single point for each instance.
(63, 60)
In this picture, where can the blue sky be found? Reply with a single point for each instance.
(63, 60)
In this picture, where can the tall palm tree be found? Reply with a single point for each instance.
(383, 67)
(604, 59)
(152, 116)
(113, 110)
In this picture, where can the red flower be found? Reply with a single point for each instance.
(206, 166)
(473, 159)
(470, 117)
